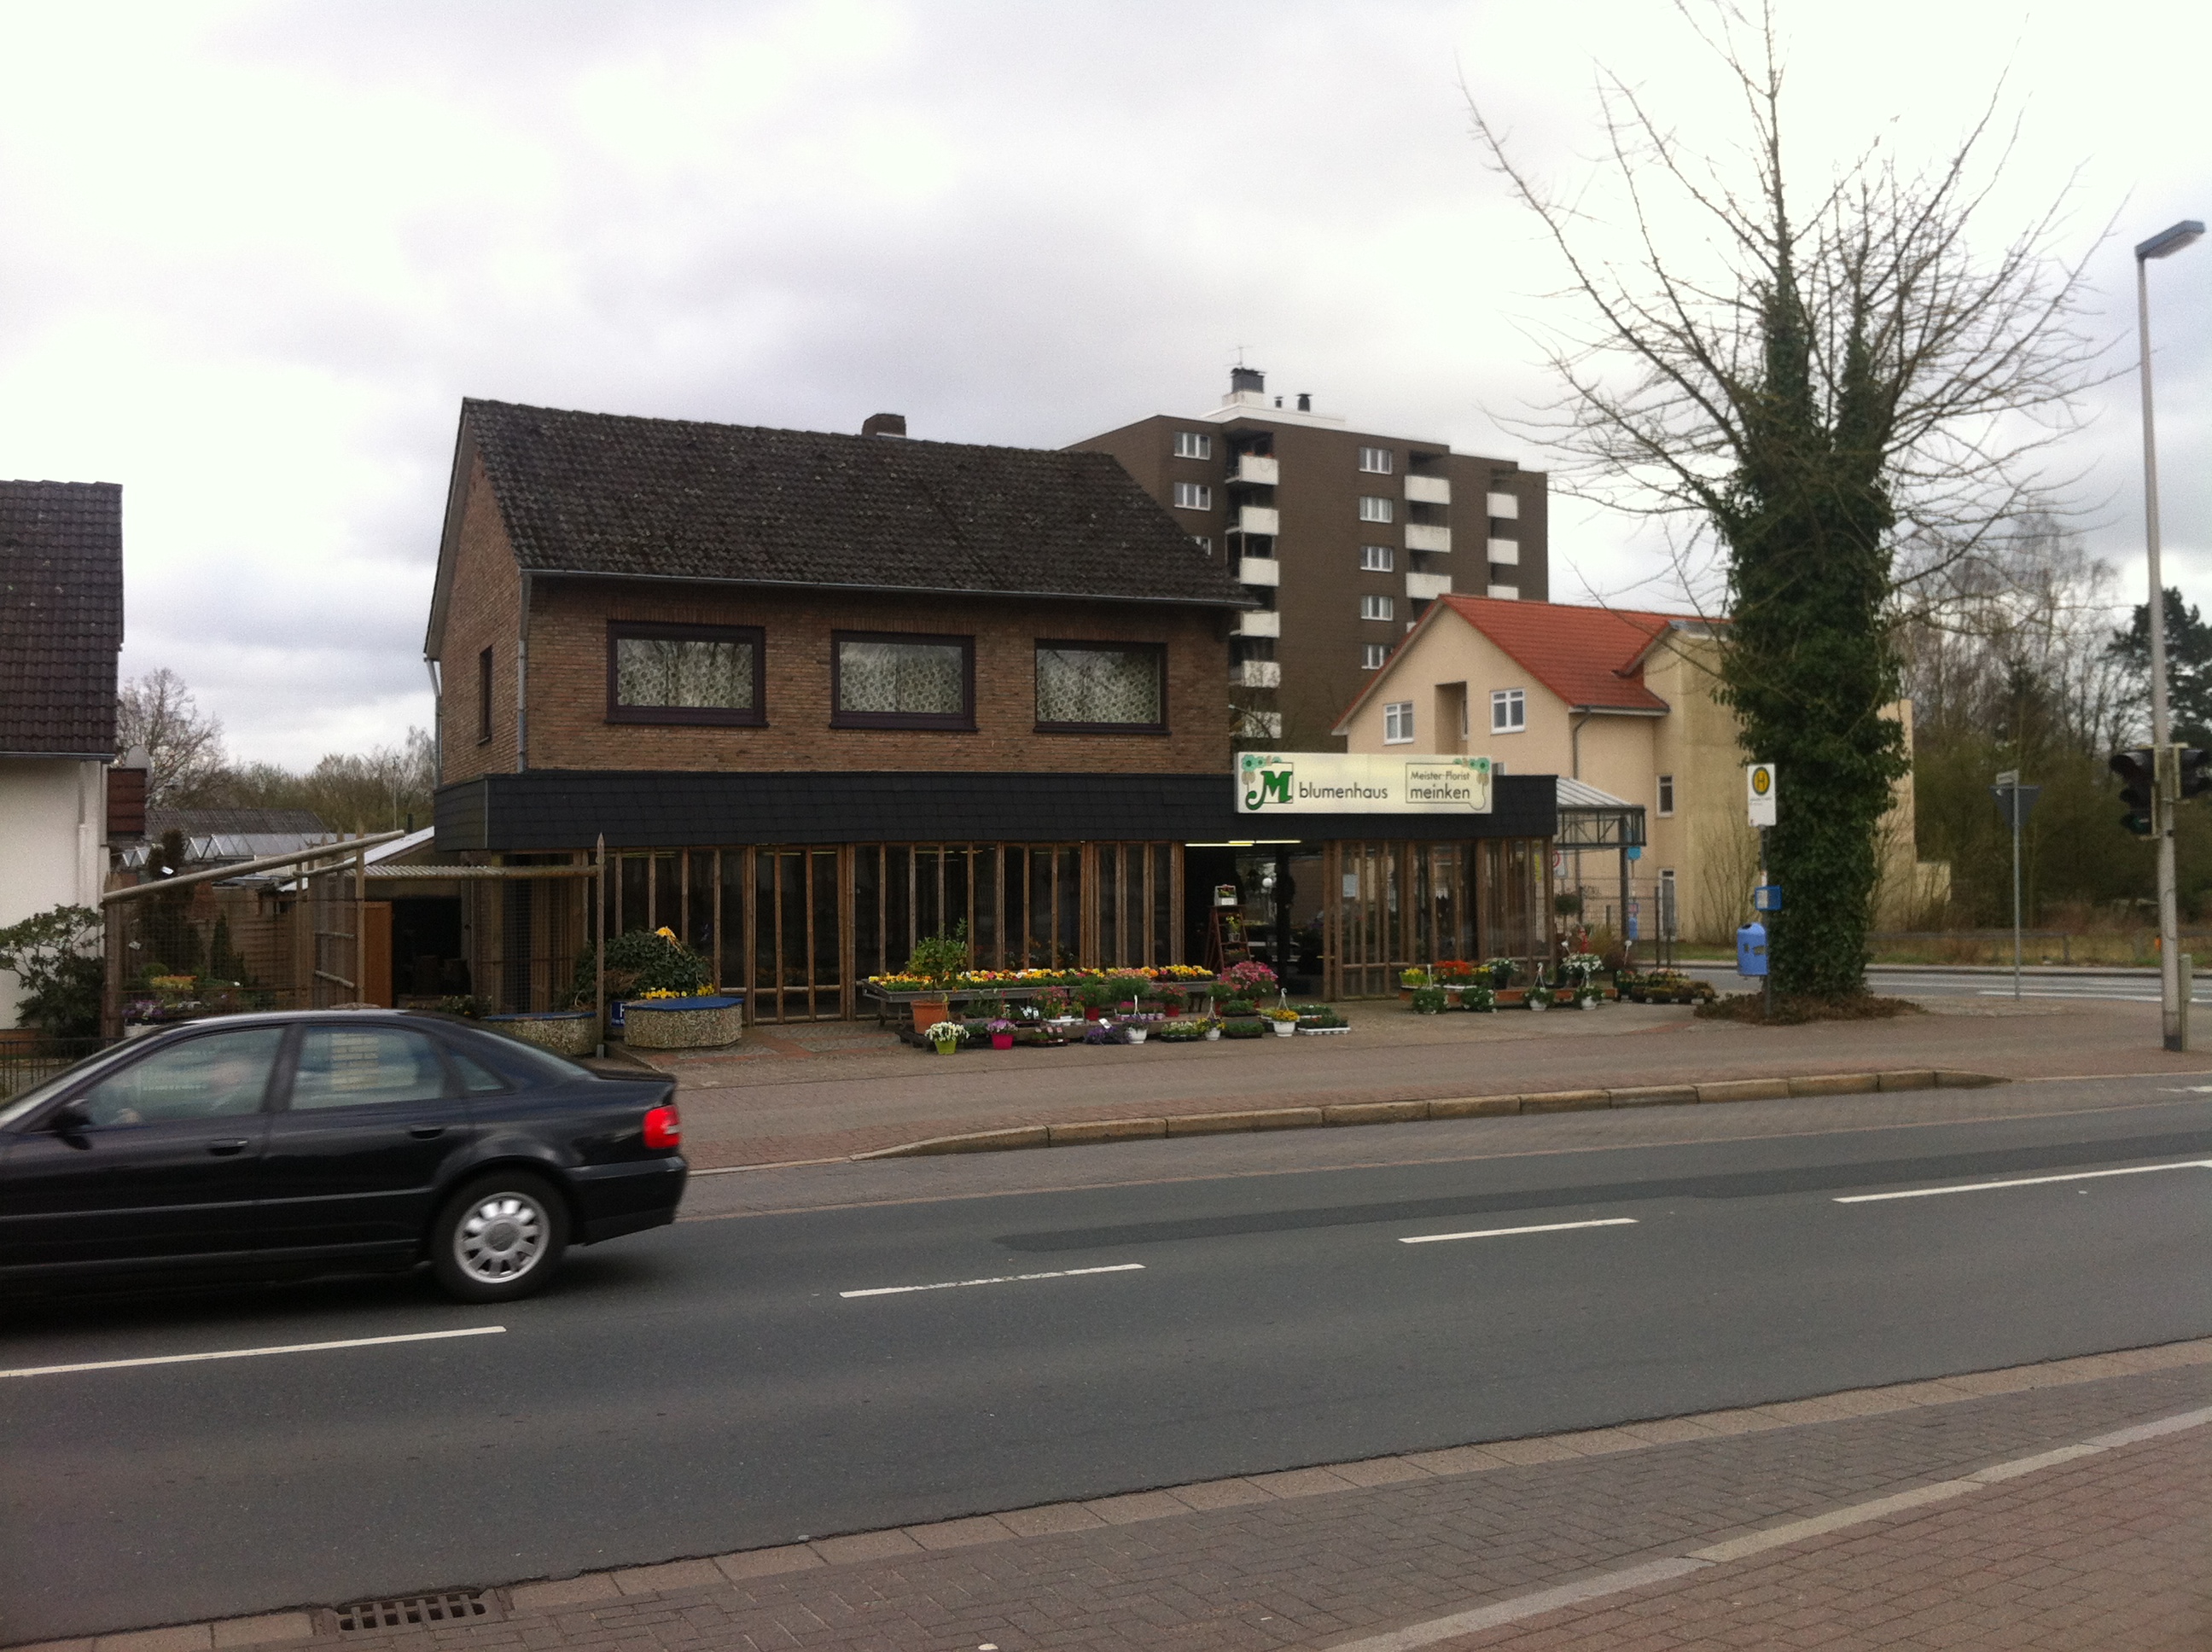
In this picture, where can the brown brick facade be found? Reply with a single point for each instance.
(568, 728)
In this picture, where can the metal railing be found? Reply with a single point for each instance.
(28, 1062)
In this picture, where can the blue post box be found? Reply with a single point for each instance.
(1751, 950)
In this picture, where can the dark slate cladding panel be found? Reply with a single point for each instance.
(652, 809)
(602, 493)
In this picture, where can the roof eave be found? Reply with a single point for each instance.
(1236, 603)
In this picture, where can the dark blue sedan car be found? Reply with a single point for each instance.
(331, 1141)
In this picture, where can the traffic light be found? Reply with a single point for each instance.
(2196, 772)
(2138, 773)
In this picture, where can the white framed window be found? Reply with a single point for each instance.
(1398, 723)
(1508, 710)
(1194, 496)
(1665, 794)
(1193, 444)
(1203, 542)
(1381, 608)
(1372, 654)
(1377, 559)
(1374, 507)
(1375, 460)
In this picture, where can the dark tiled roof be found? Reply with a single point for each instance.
(204, 823)
(61, 616)
(600, 493)
(553, 808)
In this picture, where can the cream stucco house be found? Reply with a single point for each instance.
(1622, 700)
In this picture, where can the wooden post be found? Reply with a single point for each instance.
(360, 925)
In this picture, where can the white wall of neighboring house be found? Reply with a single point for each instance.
(53, 814)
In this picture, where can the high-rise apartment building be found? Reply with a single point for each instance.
(1343, 537)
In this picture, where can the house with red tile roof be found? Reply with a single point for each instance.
(1622, 700)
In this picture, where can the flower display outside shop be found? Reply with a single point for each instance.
(972, 980)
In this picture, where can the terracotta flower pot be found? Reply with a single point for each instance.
(929, 1011)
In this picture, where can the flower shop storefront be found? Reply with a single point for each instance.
(798, 888)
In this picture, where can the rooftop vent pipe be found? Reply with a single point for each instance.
(1305, 402)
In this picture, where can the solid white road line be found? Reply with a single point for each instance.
(255, 1353)
(2023, 1181)
(1499, 1233)
(1004, 1279)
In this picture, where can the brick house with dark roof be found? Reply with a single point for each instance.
(61, 629)
(824, 694)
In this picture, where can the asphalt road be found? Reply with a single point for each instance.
(751, 1380)
(2123, 986)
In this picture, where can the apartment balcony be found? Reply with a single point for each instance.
(1260, 570)
(1259, 622)
(1258, 725)
(1507, 592)
(1505, 507)
(1428, 491)
(1507, 551)
(1256, 674)
(1423, 587)
(1256, 469)
(1257, 518)
(1424, 536)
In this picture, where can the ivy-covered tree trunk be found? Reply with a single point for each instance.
(1808, 661)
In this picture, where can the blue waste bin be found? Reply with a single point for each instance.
(1751, 950)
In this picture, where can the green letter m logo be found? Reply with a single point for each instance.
(1274, 787)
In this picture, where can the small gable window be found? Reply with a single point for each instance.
(1508, 710)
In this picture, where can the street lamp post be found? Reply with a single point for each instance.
(2165, 791)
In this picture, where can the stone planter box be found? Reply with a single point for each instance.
(564, 1032)
(683, 1024)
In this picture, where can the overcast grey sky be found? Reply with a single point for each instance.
(252, 256)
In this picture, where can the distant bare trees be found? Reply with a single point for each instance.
(184, 745)
(188, 766)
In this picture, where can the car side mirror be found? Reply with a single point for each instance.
(69, 1119)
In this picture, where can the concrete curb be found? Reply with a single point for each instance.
(1084, 1133)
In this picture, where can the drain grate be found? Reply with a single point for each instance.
(412, 1611)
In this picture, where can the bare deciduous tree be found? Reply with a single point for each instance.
(1842, 395)
(184, 745)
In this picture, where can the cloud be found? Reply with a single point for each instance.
(259, 254)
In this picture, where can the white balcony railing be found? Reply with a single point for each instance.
(1259, 470)
(1422, 587)
(1423, 536)
(1507, 551)
(1259, 622)
(1428, 491)
(1509, 593)
(1256, 674)
(1260, 570)
(1506, 505)
(1258, 518)
(1259, 726)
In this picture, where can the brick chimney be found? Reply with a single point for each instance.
(883, 424)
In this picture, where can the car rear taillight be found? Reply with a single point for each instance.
(662, 1129)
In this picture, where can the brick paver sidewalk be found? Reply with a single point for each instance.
(1994, 1525)
(834, 1089)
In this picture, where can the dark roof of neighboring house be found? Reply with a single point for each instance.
(203, 823)
(61, 616)
(606, 494)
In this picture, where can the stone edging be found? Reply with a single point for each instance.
(1168, 1502)
(1083, 1132)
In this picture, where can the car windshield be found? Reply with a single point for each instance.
(13, 1108)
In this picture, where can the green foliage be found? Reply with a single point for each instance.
(55, 954)
(1808, 662)
(1429, 1000)
(939, 957)
(2188, 665)
(643, 961)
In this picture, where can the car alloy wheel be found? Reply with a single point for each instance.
(501, 1238)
